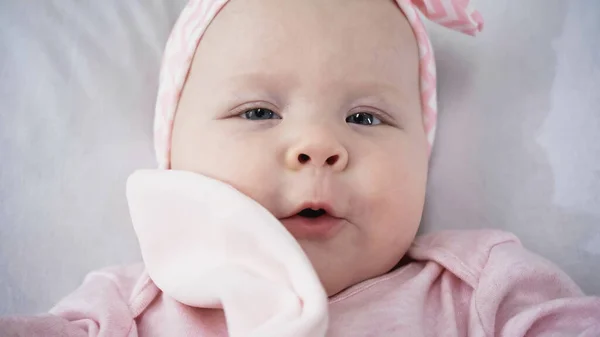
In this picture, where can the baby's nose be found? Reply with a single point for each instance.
(321, 152)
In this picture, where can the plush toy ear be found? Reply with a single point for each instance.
(207, 245)
(458, 15)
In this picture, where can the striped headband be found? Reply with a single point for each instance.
(197, 15)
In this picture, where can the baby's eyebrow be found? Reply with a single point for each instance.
(391, 97)
(379, 87)
(388, 94)
(264, 79)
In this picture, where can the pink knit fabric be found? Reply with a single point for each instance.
(197, 15)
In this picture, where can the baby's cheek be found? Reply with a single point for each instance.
(207, 151)
(391, 180)
(395, 192)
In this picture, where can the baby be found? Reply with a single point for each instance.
(293, 138)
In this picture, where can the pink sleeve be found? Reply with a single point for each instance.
(98, 308)
(522, 294)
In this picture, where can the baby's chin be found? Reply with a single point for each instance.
(340, 263)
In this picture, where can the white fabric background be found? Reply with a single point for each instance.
(518, 144)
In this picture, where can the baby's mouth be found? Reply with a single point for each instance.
(313, 224)
(312, 213)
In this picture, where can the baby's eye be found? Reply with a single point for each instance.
(363, 118)
(259, 114)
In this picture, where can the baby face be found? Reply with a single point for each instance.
(313, 105)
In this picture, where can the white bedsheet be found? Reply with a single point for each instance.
(518, 146)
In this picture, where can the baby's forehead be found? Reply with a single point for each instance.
(348, 40)
(344, 23)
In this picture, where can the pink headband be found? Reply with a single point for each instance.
(197, 15)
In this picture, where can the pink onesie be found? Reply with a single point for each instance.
(454, 283)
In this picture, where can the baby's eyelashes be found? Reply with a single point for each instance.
(259, 114)
(359, 118)
(363, 118)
